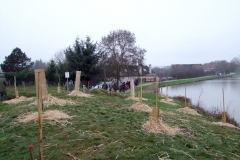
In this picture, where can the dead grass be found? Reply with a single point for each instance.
(136, 99)
(152, 88)
(141, 107)
(217, 113)
(51, 100)
(79, 94)
(18, 100)
(169, 101)
(225, 124)
(159, 127)
(188, 111)
(54, 115)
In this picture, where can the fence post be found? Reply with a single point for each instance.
(39, 82)
(224, 112)
(15, 86)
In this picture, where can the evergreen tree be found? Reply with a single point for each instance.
(51, 72)
(83, 57)
(17, 61)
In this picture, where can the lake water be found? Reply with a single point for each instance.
(210, 93)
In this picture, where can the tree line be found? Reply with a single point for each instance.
(196, 70)
(113, 53)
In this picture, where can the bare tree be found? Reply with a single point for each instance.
(162, 72)
(236, 60)
(39, 64)
(120, 52)
(157, 71)
(59, 57)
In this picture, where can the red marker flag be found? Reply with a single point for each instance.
(31, 148)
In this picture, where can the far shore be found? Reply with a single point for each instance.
(184, 81)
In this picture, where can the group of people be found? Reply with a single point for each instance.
(124, 86)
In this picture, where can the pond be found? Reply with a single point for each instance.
(210, 94)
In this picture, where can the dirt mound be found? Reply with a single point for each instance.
(170, 101)
(188, 111)
(225, 124)
(136, 99)
(141, 107)
(154, 127)
(79, 94)
(53, 115)
(51, 100)
(18, 100)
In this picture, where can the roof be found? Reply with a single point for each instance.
(151, 75)
(134, 71)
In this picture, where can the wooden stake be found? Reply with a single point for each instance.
(155, 115)
(77, 81)
(141, 92)
(58, 89)
(44, 85)
(161, 86)
(59, 79)
(88, 86)
(24, 86)
(156, 93)
(166, 97)
(224, 117)
(15, 86)
(67, 84)
(189, 105)
(185, 97)
(39, 83)
(167, 91)
(224, 111)
(223, 100)
(132, 89)
(17, 95)
(31, 154)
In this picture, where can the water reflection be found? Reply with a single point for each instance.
(209, 93)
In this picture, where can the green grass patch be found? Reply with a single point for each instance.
(103, 127)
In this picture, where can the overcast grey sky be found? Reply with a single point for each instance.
(172, 32)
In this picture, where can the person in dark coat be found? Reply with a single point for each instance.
(136, 82)
(70, 86)
(105, 86)
(3, 89)
(115, 87)
(122, 87)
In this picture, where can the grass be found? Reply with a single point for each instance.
(104, 128)
(190, 80)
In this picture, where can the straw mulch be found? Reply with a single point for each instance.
(225, 124)
(18, 100)
(136, 99)
(53, 115)
(188, 111)
(79, 94)
(51, 100)
(141, 107)
(170, 101)
(159, 127)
